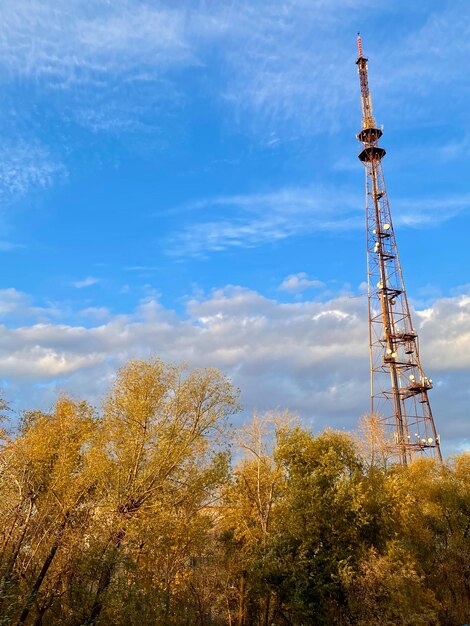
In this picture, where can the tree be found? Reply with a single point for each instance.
(47, 489)
(320, 525)
(375, 443)
(388, 589)
(159, 453)
(249, 505)
(132, 514)
(434, 524)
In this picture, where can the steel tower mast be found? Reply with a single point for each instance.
(399, 388)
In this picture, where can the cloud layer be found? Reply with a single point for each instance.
(309, 357)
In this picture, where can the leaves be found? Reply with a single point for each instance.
(134, 514)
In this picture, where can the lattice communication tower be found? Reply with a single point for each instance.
(399, 388)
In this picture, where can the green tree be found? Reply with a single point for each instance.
(249, 507)
(320, 525)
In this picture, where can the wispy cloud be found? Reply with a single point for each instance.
(119, 61)
(429, 212)
(75, 43)
(86, 282)
(281, 63)
(278, 53)
(102, 65)
(287, 70)
(26, 166)
(7, 246)
(435, 52)
(259, 219)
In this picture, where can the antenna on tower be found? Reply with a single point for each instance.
(359, 45)
(399, 388)
(368, 120)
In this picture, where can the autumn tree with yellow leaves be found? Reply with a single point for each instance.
(153, 510)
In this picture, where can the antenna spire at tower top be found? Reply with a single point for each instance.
(366, 99)
(359, 45)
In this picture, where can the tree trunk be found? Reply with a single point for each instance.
(41, 611)
(105, 580)
(267, 604)
(241, 603)
(42, 574)
(10, 565)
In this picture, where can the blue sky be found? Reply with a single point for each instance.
(181, 179)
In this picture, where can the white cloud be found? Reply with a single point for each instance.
(26, 166)
(103, 65)
(429, 211)
(436, 52)
(287, 70)
(283, 60)
(295, 67)
(287, 67)
(97, 313)
(310, 357)
(89, 281)
(278, 55)
(17, 306)
(12, 301)
(254, 220)
(297, 283)
(75, 42)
